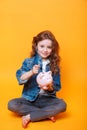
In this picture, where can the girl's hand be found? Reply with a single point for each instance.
(35, 69)
(48, 87)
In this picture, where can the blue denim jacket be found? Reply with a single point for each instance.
(31, 89)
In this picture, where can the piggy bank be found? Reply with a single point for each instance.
(44, 79)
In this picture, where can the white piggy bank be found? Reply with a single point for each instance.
(44, 79)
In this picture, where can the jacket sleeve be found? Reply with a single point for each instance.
(56, 82)
(25, 67)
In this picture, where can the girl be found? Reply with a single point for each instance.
(35, 104)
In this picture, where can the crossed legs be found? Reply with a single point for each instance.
(38, 110)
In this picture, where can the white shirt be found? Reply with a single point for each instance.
(44, 63)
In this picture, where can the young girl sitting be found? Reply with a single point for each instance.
(39, 103)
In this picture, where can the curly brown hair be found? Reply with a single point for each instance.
(54, 57)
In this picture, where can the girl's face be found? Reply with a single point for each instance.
(44, 48)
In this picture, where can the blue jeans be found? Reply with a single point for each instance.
(43, 107)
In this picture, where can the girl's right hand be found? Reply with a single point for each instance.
(35, 69)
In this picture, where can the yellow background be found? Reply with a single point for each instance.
(20, 20)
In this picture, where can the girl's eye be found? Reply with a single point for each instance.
(41, 46)
(49, 47)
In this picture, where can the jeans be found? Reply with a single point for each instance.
(43, 107)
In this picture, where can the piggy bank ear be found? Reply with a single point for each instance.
(40, 74)
(49, 72)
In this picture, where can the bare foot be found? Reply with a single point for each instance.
(52, 119)
(25, 120)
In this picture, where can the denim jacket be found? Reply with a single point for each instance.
(31, 89)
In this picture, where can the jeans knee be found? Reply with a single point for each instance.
(10, 105)
(64, 106)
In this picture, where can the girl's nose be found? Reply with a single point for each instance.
(45, 49)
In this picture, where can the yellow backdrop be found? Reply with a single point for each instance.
(20, 20)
